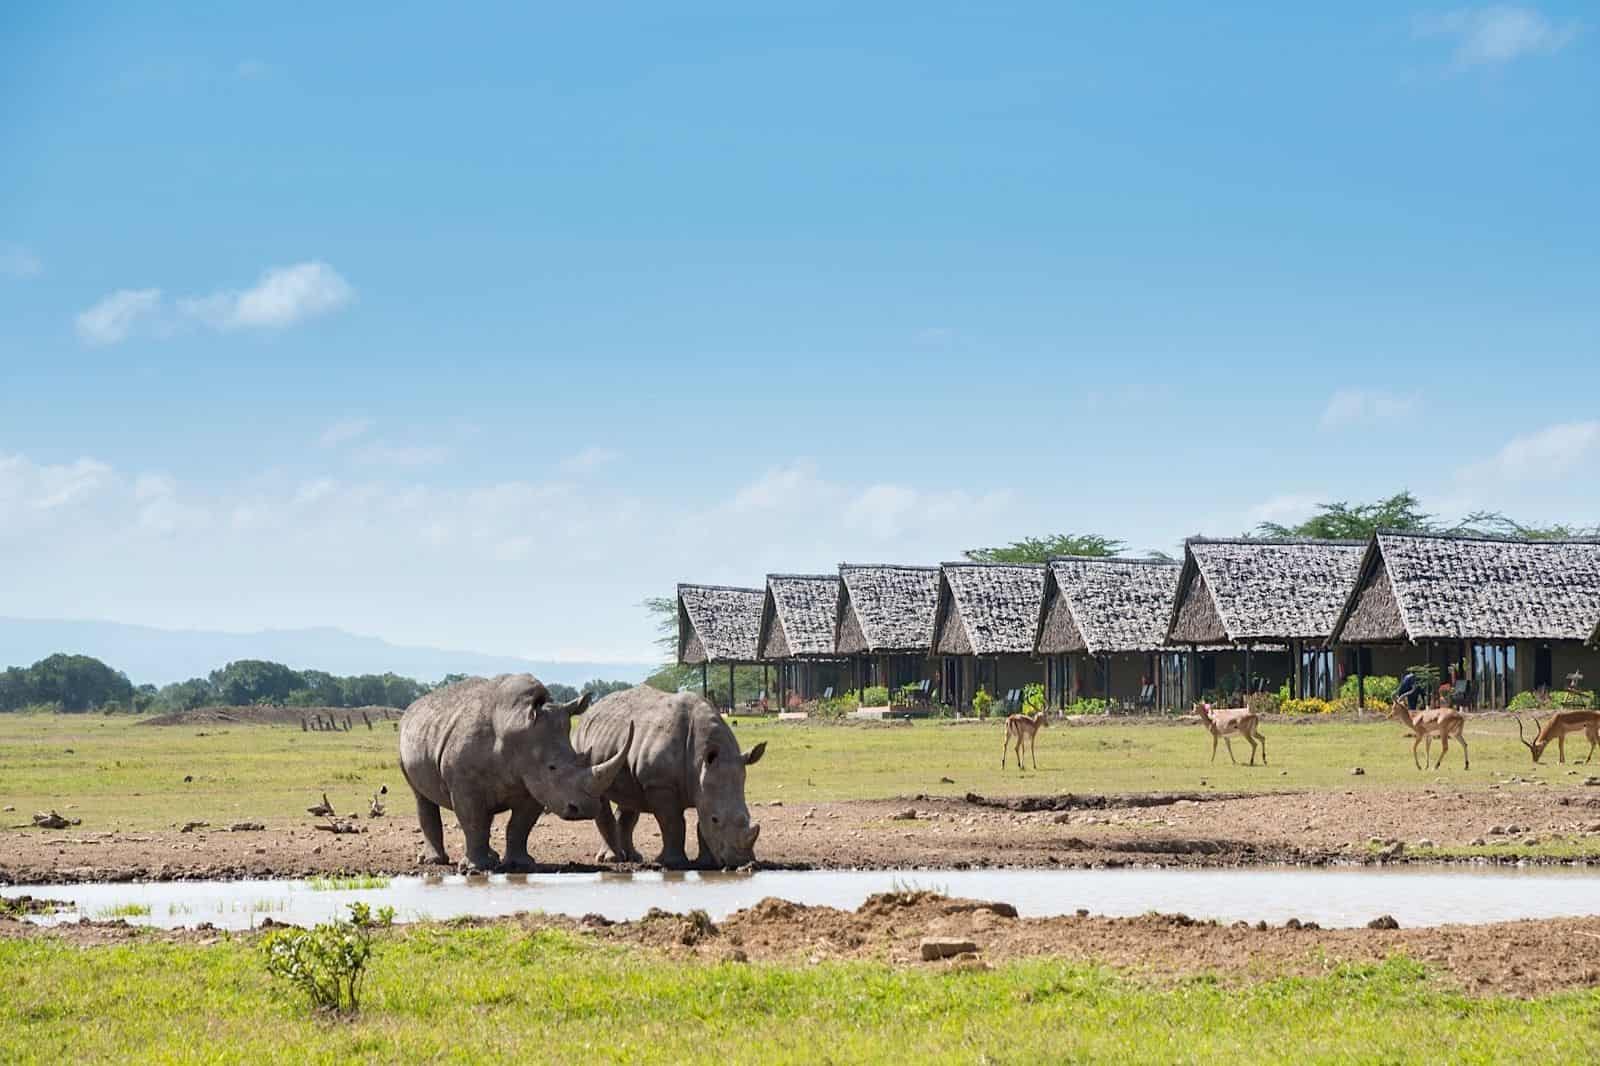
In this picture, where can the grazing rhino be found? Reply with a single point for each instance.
(483, 746)
(683, 755)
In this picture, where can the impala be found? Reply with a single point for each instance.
(1228, 722)
(1023, 727)
(1441, 722)
(1560, 724)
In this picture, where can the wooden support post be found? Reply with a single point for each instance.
(1361, 684)
(731, 701)
(1249, 683)
(705, 689)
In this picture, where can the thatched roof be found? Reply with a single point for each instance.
(988, 608)
(1106, 606)
(1416, 587)
(885, 609)
(1249, 590)
(798, 615)
(718, 624)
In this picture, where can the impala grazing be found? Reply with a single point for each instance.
(1441, 722)
(1023, 727)
(1228, 722)
(1560, 724)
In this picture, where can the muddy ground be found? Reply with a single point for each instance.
(1527, 958)
(1199, 829)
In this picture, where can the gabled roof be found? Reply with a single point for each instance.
(1249, 590)
(886, 609)
(988, 608)
(798, 615)
(1415, 587)
(1106, 605)
(718, 624)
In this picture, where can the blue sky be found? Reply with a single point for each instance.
(474, 329)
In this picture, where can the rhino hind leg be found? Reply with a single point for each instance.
(610, 836)
(669, 816)
(627, 822)
(517, 859)
(432, 832)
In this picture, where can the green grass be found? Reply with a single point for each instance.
(347, 883)
(123, 910)
(498, 995)
(122, 775)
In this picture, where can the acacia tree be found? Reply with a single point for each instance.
(1039, 549)
(1403, 511)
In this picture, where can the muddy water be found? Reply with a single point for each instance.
(1331, 897)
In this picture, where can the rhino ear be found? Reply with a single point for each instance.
(753, 756)
(711, 755)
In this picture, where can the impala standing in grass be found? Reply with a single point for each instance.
(1441, 722)
(1023, 727)
(1225, 723)
(1560, 724)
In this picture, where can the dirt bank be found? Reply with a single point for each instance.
(1039, 832)
(1525, 958)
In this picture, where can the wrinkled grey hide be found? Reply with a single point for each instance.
(683, 755)
(483, 746)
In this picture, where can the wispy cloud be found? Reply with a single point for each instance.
(344, 431)
(1498, 34)
(18, 262)
(589, 459)
(252, 68)
(282, 297)
(406, 456)
(112, 319)
(1348, 406)
(1553, 452)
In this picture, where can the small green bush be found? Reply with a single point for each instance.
(1379, 687)
(875, 696)
(1263, 702)
(1561, 699)
(1087, 706)
(1032, 699)
(982, 703)
(328, 962)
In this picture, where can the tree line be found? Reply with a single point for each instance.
(78, 683)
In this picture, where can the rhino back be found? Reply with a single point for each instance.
(666, 726)
(458, 732)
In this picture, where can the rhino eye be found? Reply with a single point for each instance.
(715, 820)
(551, 767)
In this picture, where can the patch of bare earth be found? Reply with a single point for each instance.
(1194, 830)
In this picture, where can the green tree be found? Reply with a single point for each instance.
(1345, 521)
(1038, 549)
(249, 681)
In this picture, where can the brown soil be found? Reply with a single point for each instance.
(274, 716)
(1526, 958)
(945, 833)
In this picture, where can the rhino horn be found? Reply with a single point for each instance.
(577, 706)
(750, 839)
(601, 777)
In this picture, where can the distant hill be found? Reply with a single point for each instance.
(160, 656)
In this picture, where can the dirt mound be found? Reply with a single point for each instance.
(275, 715)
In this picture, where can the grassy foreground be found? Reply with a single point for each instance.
(116, 773)
(502, 994)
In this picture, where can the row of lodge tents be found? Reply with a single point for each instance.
(1497, 615)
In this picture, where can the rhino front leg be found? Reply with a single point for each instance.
(432, 832)
(669, 816)
(523, 819)
(475, 822)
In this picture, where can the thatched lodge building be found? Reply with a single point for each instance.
(1255, 594)
(884, 623)
(1506, 615)
(984, 628)
(718, 626)
(1102, 631)
(799, 615)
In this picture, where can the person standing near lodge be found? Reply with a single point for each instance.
(1408, 690)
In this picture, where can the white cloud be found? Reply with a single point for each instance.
(1287, 509)
(1553, 452)
(113, 318)
(344, 431)
(252, 68)
(18, 262)
(1498, 34)
(1365, 405)
(589, 459)
(283, 296)
(379, 453)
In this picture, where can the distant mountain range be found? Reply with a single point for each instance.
(160, 656)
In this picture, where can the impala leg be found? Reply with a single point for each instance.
(1213, 747)
(1004, 746)
(1444, 746)
(1263, 748)
(1229, 742)
(1561, 747)
(1466, 756)
(1414, 743)
(1252, 741)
